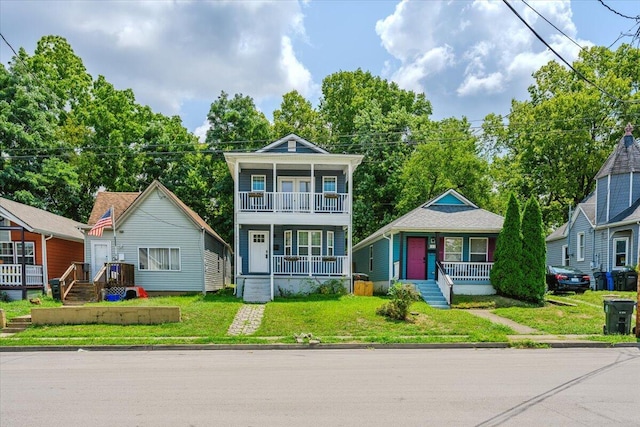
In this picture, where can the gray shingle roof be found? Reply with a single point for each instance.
(41, 221)
(623, 160)
(443, 218)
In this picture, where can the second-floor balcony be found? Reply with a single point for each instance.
(262, 201)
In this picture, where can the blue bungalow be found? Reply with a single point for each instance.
(292, 217)
(602, 231)
(444, 245)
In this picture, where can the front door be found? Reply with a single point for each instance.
(416, 258)
(100, 253)
(258, 252)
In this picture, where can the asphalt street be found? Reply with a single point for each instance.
(376, 387)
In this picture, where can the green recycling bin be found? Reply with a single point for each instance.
(618, 313)
(55, 289)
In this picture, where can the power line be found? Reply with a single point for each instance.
(635, 18)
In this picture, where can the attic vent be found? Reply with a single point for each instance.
(292, 145)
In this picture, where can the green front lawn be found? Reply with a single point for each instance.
(206, 319)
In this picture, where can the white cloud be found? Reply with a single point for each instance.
(486, 54)
(201, 131)
(174, 53)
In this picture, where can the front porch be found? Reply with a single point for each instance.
(297, 202)
(468, 271)
(16, 280)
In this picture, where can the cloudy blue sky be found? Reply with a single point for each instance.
(470, 58)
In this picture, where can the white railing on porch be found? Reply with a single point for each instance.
(310, 265)
(11, 275)
(468, 270)
(445, 284)
(252, 201)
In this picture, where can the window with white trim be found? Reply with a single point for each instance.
(580, 246)
(6, 252)
(330, 243)
(29, 253)
(371, 258)
(620, 252)
(159, 259)
(11, 253)
(453, 249)
(258, 183)
(329, 184)
(309, 243)
(478, 249)
(565, 255)
(288, 242)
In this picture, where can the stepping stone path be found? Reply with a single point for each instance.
(247, 320)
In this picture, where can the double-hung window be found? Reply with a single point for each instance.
(329, 184)
(159, 259)
(479, 249)
(288, 241)
(453, 249)
(258, 183)
(11, 253)
(309, 243)
(580, 246)
(330, 243)
(621, 249)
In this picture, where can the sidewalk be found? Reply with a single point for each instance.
(526, 333)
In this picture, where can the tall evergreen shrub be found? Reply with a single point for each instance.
(534, 253)
(506, 273)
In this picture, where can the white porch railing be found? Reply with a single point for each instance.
(310, 265)
(468, 270)
(252, 201)
(11, 275)
(445, 284)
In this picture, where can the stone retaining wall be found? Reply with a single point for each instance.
(107, 315)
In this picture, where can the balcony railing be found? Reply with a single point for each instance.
(468, 270)
(11, 275)
(310, 265)
(251, 201)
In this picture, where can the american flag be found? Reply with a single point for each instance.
(105, 220)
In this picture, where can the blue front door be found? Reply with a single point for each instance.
(431, 265)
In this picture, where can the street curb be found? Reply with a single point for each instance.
(371, 346)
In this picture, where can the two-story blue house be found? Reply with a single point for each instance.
(292, 217)
(602, 232)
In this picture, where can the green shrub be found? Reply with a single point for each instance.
(402, 296)
(331, 287)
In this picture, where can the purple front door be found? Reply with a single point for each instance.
(416, 261)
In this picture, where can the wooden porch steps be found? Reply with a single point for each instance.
(17, 324)
(80, 293)
(430, 293)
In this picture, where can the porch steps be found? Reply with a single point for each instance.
(81, 292)
(430, 293)
(17, 324)
(256, 290)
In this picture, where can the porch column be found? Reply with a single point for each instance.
(313, 188)
(274, 188)
(271, 258)
(390, 259)
(350, 231)
(23, 264)
(236, 227)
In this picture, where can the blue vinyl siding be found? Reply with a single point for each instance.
(284, 148)
(380, 270)
(601, 197)
(245, 178)
(554, 251)
(581, 225)
(636, 186)
(619, 194)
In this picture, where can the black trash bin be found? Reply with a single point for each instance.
(630, 281)
(55, 289)
(600, 280)
(618, 313)
(619, 277)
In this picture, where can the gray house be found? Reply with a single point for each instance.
(602, 232)
(292, 217)
(444, 245)
(172, 248)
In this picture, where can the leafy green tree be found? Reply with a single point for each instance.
(235, 125)
(447, 158)
(297, 115)
(556, 141)
(534, 253)
(506, 274)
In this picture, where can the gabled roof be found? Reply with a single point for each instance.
(40, 221)
(292, 137)
(587, 208)
(106, 199)
(624, 159)
(442, 214)
(126, 203)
